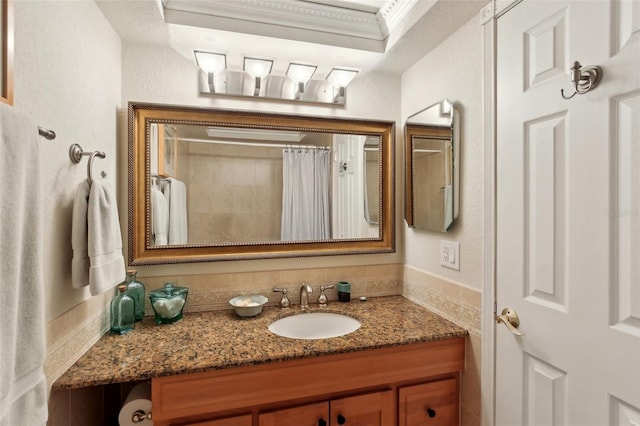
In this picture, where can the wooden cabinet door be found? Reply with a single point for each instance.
(231, 421)
(373, 409)
(305, 415)
(429, 404)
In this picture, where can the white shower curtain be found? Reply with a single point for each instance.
(305, 194)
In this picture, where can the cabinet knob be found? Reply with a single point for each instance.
(322, 422)
(341, 419)
(431, 412)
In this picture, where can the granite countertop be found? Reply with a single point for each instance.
(220, 339)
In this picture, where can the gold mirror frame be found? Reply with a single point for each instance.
(6, 66)
(141, 252)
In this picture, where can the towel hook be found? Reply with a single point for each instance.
(76, 153)
(583, 79)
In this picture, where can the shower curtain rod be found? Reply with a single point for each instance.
(266, 145)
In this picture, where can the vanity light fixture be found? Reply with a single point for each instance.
(445, 108)
(258, 69)
(300, 74)
(211, 63)
(257, 79)
(340, 79)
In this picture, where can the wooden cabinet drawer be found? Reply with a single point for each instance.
(429, 404)
(306, 415)
(230, 421)
(373, 409)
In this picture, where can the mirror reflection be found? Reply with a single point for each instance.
(432, 157)
(215, 185)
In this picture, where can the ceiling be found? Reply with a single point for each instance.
(369, 35)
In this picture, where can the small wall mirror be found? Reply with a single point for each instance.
(208, 184)
(432, 151)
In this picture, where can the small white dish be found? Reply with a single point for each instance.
(248, 306)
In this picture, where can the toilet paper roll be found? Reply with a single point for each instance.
(138, 401)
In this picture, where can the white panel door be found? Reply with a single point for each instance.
(568, 215)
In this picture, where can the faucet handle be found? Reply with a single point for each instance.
(322, 299)
(284, 302)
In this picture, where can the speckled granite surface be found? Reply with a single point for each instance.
(219, 339)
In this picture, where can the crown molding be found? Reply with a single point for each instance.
(286, 19)
(392, 13)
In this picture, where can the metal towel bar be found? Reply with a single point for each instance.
(76, 153)
(46, 133)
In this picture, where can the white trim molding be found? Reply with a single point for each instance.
(292, 19)
(488, 23)
(488, 20)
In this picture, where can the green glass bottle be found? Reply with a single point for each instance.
(123, 318)
(135, 289)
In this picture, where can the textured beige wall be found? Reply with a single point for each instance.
(67, 77)
(453, 70)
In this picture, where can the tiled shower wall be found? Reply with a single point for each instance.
(234, 193)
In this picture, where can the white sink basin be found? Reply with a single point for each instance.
(314, 325)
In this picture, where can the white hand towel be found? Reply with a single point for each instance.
(23, 387)
(79, 237)
(178, 228)
(105, 243)
(159, 217)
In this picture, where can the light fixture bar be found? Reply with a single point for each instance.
(217, 79)
(257, 67)
(251, 134)
(300, 73)
(211, 63)
(341, 77)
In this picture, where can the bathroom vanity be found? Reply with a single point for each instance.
(401, 367)
(416, 383)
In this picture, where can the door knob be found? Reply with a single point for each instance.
(511, 320)
(322, 422)
(341, 419)
(431, 412)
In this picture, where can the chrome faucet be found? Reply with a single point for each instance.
(305, 291)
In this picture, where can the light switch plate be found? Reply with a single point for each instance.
(450, 254)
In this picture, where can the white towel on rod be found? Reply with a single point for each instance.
(104, 240)
(159, 217)
(79, 238)
(178, 227)
(23, 389)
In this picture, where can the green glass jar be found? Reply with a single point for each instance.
(135, 290)
(168, 303)
(123, 318)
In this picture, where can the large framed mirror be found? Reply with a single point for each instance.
(432, 158)
(211, 185)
